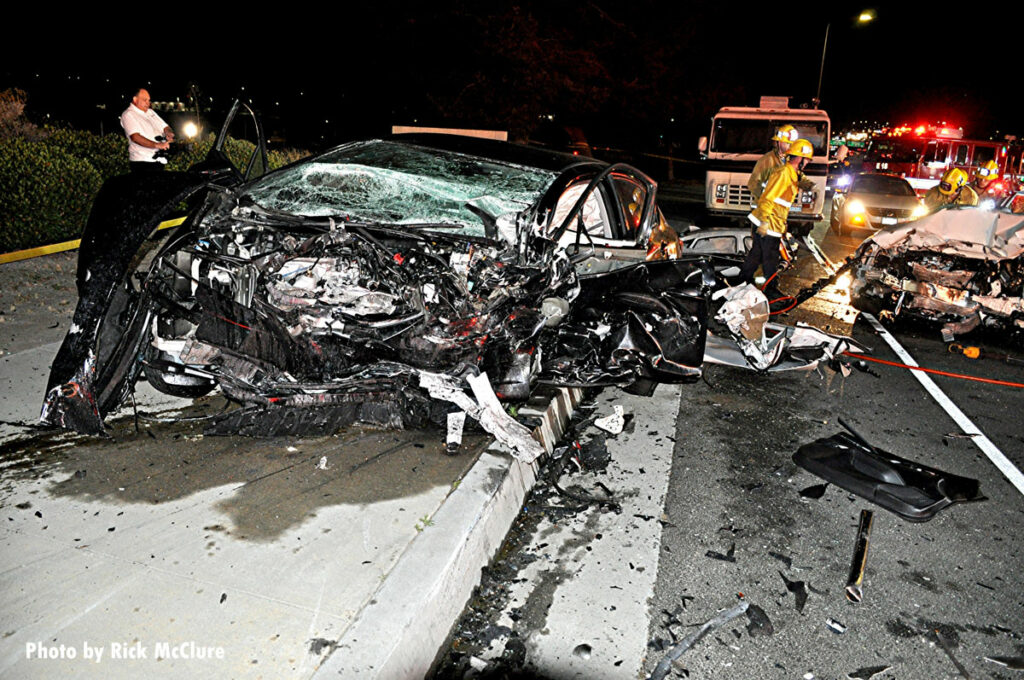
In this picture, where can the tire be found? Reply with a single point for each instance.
(177, 384)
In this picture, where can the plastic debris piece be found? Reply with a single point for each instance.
(477, 664)
(291, 449)
(614, 423)
(867, 673)
(486, 410)
(322, 465)
(456, 421)
(665, 665)
(814, 492)
(835, 626)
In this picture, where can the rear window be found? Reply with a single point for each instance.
(882, 184)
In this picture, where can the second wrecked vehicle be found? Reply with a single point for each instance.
(960, 268)
(371, 283)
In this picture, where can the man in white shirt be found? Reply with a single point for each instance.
(142, 125)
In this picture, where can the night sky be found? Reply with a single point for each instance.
(640, 73)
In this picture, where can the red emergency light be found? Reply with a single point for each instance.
(919, 130)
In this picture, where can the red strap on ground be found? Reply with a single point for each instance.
(897, 364)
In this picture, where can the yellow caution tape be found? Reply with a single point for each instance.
(28, 254)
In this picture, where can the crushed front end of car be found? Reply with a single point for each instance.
(374, 283)
(961, 268)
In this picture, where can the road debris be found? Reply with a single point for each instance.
(814, 492)
(855, 581)
(614, 423)
(727, 557)
(758, 622)
(910, 489)
(835, 626)
(322, 465)
(665, 665)
(456, 422)
(867, 672)
(949, 652)
(799, 590)
(1014, 663)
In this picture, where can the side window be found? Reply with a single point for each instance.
(714, 244)
(936, 152)
(961, 154)
(983, 154)
(631, 196)
(594, 213)
(748, 243)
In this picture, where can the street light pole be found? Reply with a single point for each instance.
(821, 72)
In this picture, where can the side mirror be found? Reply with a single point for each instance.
(702, 144)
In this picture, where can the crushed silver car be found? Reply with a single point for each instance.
(961, 268)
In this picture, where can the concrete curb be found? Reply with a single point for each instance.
(398, 633)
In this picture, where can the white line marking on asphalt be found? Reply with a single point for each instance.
(1009, 470)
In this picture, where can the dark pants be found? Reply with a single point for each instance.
(145, 166)
(764, 252)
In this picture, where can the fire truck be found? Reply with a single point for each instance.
(741, 135)
(923, 154)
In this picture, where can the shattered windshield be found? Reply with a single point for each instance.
(400, 183)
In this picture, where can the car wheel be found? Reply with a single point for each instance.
(173, 383)
(177, 384)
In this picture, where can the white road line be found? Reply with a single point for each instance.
(1009, 470)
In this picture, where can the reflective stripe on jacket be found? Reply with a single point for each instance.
(773, 206)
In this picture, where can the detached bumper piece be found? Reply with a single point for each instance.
(913, 491)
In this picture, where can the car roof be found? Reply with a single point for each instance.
(507, 152)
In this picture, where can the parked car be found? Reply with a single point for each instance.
(873, 201)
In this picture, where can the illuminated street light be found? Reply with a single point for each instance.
(191, 129)
(863, 18)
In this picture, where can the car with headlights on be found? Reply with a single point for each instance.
(873, 201)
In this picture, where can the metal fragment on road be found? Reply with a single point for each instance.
(867, 673)
(835, 626)
(1014, 663)
(665, 665)
(855, 581)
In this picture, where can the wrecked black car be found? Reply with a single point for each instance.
(959, 268)
(372, 283)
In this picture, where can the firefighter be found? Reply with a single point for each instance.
(769, 217)
(985, 184)
(952, 189)
(784, 137)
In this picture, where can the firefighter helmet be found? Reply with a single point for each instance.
(952, 181)
(786, 133)
(801, 148)
(988, 172)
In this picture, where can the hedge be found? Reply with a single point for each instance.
(46, 196)
(49, 185)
